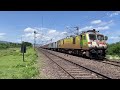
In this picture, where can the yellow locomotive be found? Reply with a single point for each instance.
(89, 43)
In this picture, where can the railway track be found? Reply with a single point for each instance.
(74, 70)
(107, 61)
(114, 63)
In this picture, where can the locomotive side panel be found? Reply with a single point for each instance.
(84, 41)
(88, 43)
(70, 43)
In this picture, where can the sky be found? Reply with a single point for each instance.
(17, 26)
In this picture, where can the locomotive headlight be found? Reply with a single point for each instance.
(89, 43)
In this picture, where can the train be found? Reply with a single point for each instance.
(90, 44)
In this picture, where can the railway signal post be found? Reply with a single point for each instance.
(23, 49)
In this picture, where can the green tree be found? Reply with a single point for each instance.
(28, 44)
(114, 49)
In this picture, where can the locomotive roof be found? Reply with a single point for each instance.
(91, 32)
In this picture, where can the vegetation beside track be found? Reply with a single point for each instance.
(113, 51)
(13, 67)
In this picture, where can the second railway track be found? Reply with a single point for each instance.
(74, 70)
(114, 63)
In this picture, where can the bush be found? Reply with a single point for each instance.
(13, 45)
(114, 49)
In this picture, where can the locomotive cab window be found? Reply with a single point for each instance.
(92, 36)
(73, 40)
(100, 37)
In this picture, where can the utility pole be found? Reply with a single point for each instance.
(21, 39)
(51, 40)
(41, 29)
(23, 50)
(34, 39)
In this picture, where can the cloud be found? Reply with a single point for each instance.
(86, 28)
(102, 23)
(54, 35)
(111, 22)
(96, 22)
(2, 35)
(46, 34)
(115, 37)
(102, 28)
(43, 34)
(51, 31)
(63, 33)
(30, 30)
(94, 27)
(29, 34)
(115, 13)
(113, 32)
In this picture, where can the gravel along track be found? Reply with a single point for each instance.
(105, 69)
(48, 69)
(115, 63)
(73, 70)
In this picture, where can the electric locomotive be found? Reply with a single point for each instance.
(89, 43)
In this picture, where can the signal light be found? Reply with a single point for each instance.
(89, 42)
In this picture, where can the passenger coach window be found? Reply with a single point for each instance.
(73, 40)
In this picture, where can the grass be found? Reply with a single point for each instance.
(13, 67)
(115, 57)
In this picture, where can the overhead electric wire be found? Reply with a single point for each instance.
(87, 20)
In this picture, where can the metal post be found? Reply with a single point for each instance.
(21, 39)
(23, 56)
(34, 39)
(23, 50)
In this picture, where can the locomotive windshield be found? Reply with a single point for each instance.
(100, 37)
(92, 36)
